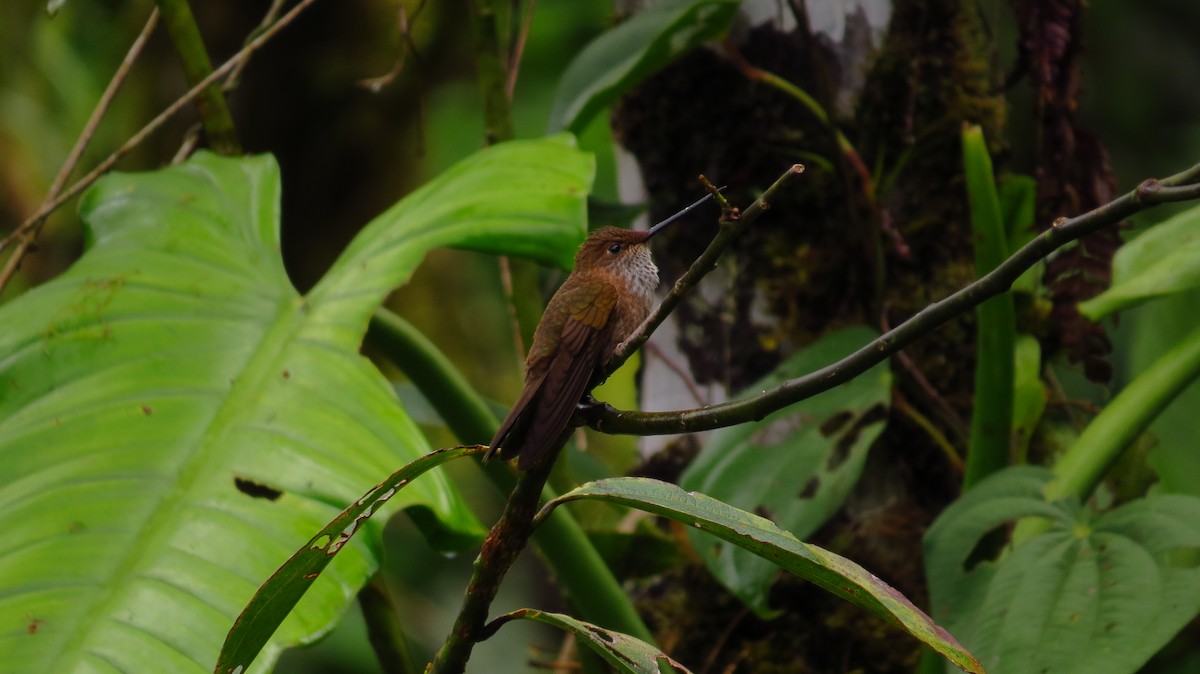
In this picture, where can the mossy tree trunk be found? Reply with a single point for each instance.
(868, 237)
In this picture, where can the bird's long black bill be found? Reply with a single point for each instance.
(657, 228)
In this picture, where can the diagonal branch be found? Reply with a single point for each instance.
(602, 417)
(155, 124)
(732, 224)
(28, 231)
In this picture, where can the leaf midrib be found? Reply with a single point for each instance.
(255, 372)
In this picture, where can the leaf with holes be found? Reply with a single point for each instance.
(1094, 593)
(825, 569)
(619, 59)
(176, 420)
(279, 595)
(797, 466)
(627, 654)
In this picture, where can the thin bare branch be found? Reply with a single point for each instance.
(28, 230)
(157, 123)
(235, 77)
(518, 50)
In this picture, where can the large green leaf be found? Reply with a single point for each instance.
(1162, 261)
(626, 654)
(283, 590)
(832, 572)
(797, 466)
(176, 420)
(619, 59)
(1097, 594)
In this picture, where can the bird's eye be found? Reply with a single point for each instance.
(614, 248)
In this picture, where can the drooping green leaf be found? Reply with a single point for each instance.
(832, 572)
(1162, 261)
(797, 466)
(279, 595)
(175, 419)
(619, 59)
(991, 419)
(1097, 594)
(627, 654)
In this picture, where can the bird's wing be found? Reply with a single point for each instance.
(585, 332)
(515, 416)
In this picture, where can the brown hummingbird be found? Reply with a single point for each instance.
(604, 299)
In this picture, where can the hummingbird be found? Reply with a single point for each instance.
(605, 298)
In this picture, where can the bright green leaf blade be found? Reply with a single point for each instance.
(1098, 595)
(797, 466)
(279, 595)
(525, 198)
(175, 420)
(1162, 261)
(836, 574)
(619, 59)
(627, 654)
(991, 420)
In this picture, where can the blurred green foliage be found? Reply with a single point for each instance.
(346, 152)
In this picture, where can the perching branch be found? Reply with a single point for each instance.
(606, 419)
(732, 223)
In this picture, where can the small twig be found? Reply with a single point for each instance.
(191, 138)
(28, 230)
(155, 124)
(235, 77)
(948, 414)
(722, 639)
(518, 50)
(514, 321)
(732, 224)
(952, 456)
(408, 47)
(679, 370)
(607, 419)
(376, 84)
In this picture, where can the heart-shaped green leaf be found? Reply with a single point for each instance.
(619, 59)
(1097, 594)
(832, 572)
(797, 466)
(176, 420)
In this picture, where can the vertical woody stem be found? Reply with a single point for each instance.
(500, 549)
